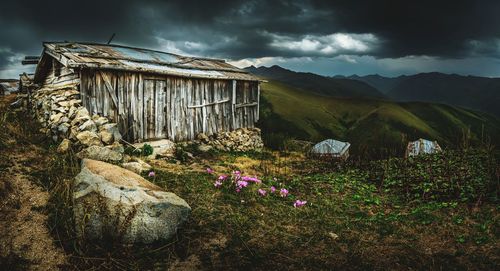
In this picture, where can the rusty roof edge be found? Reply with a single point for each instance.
(177, 65)
(134, 48)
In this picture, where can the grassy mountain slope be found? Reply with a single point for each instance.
(469, 91)
(366, 123)
(383, 84)
(327, 86)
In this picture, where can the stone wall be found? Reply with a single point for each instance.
(243, 139)
(65, 120)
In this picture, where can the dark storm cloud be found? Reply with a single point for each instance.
(439, 28)
(254, 29)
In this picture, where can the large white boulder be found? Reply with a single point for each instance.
(112, 202)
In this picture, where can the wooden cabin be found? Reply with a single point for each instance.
(153, 94)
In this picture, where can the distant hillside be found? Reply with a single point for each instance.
(469, 91)
(368, 124)
(383, 84)
(322, 85)
(474, 92)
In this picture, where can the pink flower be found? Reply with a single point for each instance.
(262, 192)
(273, 189)
(222, 178)
(218, 184)
(241, 184)
(283, 192)
(251, 179)
(299, 203)
(238, 190)
(151, 174)
(210, 171)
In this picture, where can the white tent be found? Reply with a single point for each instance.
(422, 146)
(331, 148)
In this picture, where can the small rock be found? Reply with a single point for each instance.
(106, 137)
(110, 132)
(202, 137)
(63, 103)
(101, 154)
(64, 146)
(63, 128)
(137, 167)
(55, 118)
(100, 121)
(89, 125)
(204, 148)
(117, 147)
(89, 138)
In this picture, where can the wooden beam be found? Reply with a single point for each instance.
(207, 104)
(258, 100)
(233, 113)
(109, 87)
(247, 104)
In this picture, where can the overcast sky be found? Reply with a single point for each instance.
(325, 37)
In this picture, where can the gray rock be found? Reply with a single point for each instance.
(71, 112)
(117, 147)
(63, 128)
(100, 121)
(109, 133)
(89, 125)
(101, 154)
(89, 138)
(110, 201)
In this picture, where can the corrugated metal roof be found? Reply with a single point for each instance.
(117, 57)
(331, 146)
(422, 146)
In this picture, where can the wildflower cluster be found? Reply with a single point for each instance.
(239, 182)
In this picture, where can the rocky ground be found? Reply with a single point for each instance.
(25, 239)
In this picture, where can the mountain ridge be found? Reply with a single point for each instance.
(473, 92)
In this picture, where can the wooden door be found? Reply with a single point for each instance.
(154, 108)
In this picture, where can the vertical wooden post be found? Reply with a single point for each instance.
(233, 113)
(258, 100)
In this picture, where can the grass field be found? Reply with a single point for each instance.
(383, 215)
(429, 213)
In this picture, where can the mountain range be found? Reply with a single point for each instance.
(303, 106)
(477, 93)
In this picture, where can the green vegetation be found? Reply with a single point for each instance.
(371, 126)
(429, 212)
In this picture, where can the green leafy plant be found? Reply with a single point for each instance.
(147, 150)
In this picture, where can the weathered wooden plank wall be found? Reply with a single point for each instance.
(65, 76)
(152, 107)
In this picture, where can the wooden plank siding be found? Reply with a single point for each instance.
(152, 107)
(63, 76)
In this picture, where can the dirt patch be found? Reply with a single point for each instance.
(25, 240)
